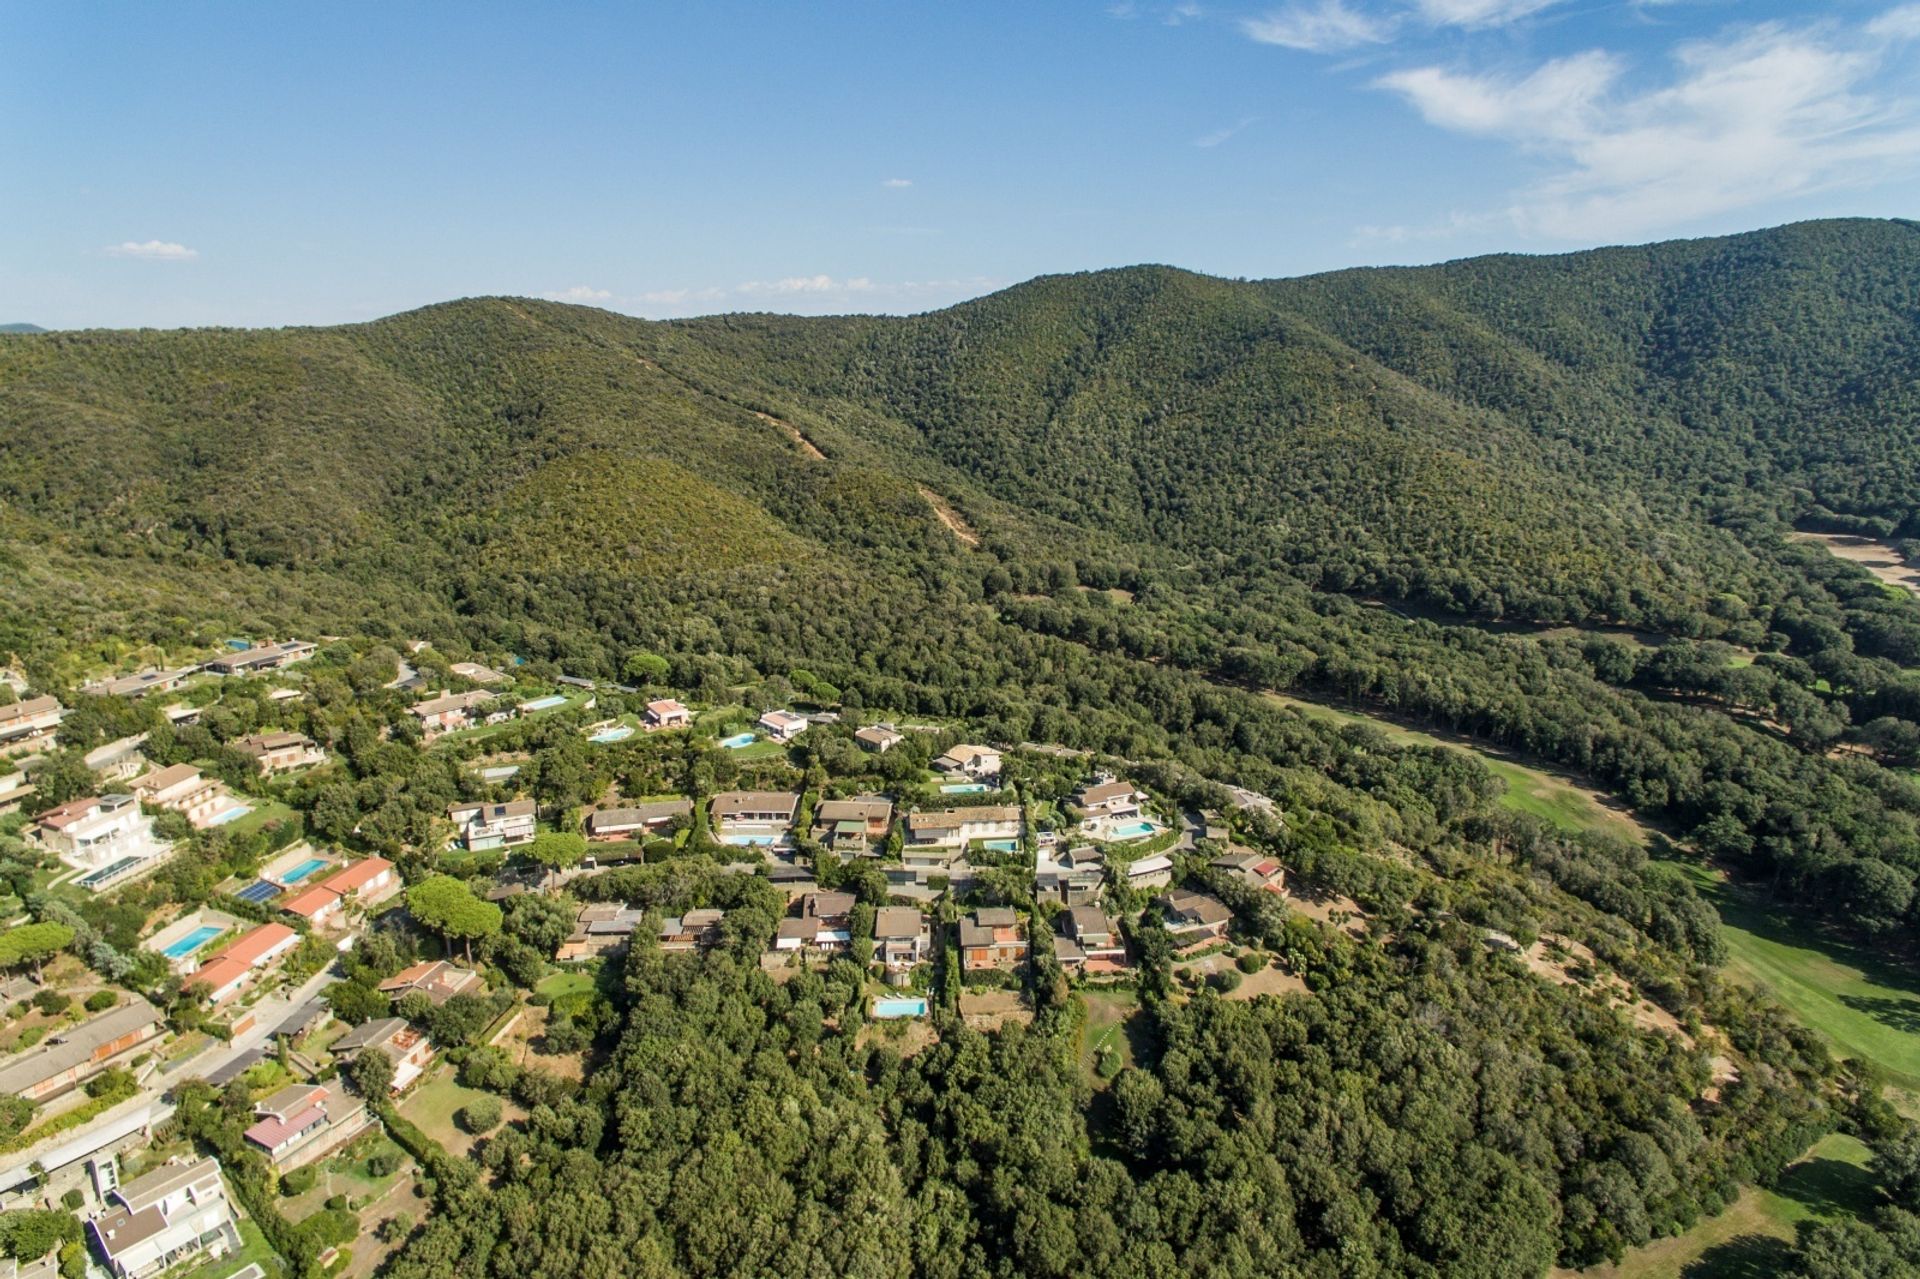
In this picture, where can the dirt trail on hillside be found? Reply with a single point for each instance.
(804, 444)
(956, 525)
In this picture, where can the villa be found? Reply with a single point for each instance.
(901, 937)
(302, 1122)
(991, 938)
(824, 923)
(879, 738)
(280, 752)
(1075, 875)
(119, 759)
(238, 966)
(1110, 799)
(1150, 872)
(25, 724)
(637, 821)
(261, 657)
(1256, 870)
(666, 713)
(600, 929)
(449, 711)
(407, 1047)
(70, 1057)
(975, 763)
(695, 930)
(957, 827)
(138, 686)
(754, 816)
(107, 836)
(437, 979)
(850, 825)
(154, 1222)
(478, 673)
(184, 789)
(1194, 918)
(783, 726)
(481, 826)
(1093, 934)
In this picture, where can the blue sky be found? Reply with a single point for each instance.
(254, 165)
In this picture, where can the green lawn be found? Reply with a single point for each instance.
(264, 811)
(573, 982)
(432, 1105)
(1528, 790)
(1861, 1002)
(1107, 1014)
(1750, 1237)
(253, 1251)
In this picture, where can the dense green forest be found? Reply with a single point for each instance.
(1539, 501)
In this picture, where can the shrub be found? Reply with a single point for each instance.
(1225, 981)
(479, 1115)
(51, 1002)
(299, 1181)
(73, 1200)
(1251, 962)
(382, 1164)
(101, 1000)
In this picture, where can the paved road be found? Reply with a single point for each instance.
(267, 1014)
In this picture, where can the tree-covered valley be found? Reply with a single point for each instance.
(1545, 505)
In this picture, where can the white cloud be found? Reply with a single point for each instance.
(1183, 13)
(1326, 27)
(1902, 23)
(1479, 13)
(1218, 136)
(1761, 114)
(897, 184)
(584, 294)
(152, 251)
(807, 284)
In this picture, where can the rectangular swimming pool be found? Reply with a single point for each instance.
(620, 733)
(544, 703)
(233, 814)
(1133, 830)
(192, 941)
(965, 788)
(1001, 845)
(750, 841)
(738, 740)
(900, 1007)
(304, 870)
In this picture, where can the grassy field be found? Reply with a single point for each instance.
(1107, 1014)
(253, 1251)
(1750, 1238)
(1545, 795)
(572, 982)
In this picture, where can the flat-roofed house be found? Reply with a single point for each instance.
(261, 657)
(484, 825)
(754, 817)
(70, 1056)
(902, 937)
(991, 938)
(408, 1048)
(156, 1221)
(879, 738)
(138, 686)
(450, 711)
(1075, 875)
(783, 726)
(665, 712)
(302, 1122)
(850, 825)
(1150, 872)
(957, 827)
(637, 821)
(119, 759)
(1093, 933)
(280, 752)
(100, 831)
(26, 724)
(437, 979)
(477, 672)
(1193, 918)
(975, 763)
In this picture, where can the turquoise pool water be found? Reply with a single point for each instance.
(738, 740)
(545, 703)
(619, 733)
(303, 870)
(192, 941)
(900, 1007)
(750, 841)
(1134, 830)
(233, 814)
(964, 788)
(1001, 845)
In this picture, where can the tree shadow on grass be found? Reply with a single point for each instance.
(1742, 1257)
(1828, 1187)
(1900, 1014)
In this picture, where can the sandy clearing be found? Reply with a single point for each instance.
(1877, 558)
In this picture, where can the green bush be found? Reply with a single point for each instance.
(299, 1181)
(382, 1164)
(73, 1200)
(51, 1002)
(101, 1000)
(479, 1115)
(1251, 962)
(1225, 981)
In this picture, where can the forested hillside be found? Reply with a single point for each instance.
(1538, 502)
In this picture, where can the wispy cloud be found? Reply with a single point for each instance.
(897, 184)
(584, 294)
(152, 251)
(1902, 23)
(1760, 114)
(1326, 27)
(1480, 13)
(1218, 136)
(806, 284)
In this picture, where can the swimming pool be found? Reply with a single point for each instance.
(1133, 830)
(499, 773)
(233, 814)
(618, 733)
(750, 841)
(304, 869)
(544, 703)
(965, 788)
(738, 740)
(1001, 845)
(192, 941)
(900, 1007)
